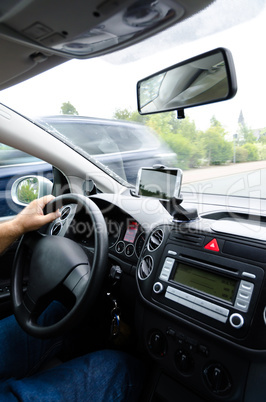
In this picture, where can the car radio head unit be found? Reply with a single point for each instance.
(202, 286)
(224, 296)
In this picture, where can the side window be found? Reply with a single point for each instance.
(12, 156)
(15, 164)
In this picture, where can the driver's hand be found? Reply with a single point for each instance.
(32, 217)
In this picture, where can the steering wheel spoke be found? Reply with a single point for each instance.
(26, 308)
(77, 280)
(30, 239)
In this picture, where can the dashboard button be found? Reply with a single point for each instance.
(241, 304)
(184, 361)
(120, 247)
(171, 332)
(248, 286)
(158, 287)
(203, 350)
(236, 320)
(249, 275)
(217, 379)
(129, 250)
(157, 343)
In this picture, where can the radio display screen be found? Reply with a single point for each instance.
(205, 281)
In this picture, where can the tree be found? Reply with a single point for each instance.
(253, 154)
(246, 134)
(187, 129)
(125, 114)
(183, 138)
(241, 154)
(261, 151)
(262, 136)
(122, 114)
(161, 123)
(217, 149)
(68, 108)
(215, 122)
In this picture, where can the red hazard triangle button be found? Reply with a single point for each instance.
(212, 245)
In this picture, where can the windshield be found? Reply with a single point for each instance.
(220, 147)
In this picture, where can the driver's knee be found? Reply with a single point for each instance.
(100, 376)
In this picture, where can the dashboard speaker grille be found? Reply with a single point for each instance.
(145, 267)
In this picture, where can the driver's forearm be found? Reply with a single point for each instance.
(10, 231)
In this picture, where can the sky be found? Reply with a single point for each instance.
(97, 87)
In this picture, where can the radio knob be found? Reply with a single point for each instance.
(158, 287)
(236, 320)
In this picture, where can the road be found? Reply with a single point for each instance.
(193, 175)
(241, 179)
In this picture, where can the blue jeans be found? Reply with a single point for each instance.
(105, 375)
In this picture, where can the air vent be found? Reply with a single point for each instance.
(64, 213)
(155, 240)
(187, 237)
(56, 229)
(145, 267)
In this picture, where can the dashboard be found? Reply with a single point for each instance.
(205, 309)
(201, 287)
(201, 305)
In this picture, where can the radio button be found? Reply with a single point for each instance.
(158, 287)
(211, 306)
(242, 294)
(169, 262)
(172, 290)
(166, 269)
(249, 275)
(241, 304)
(171, 252)
(197, 304)
(189, 297)
(186, 296)
(205, 304)
(214, 315)
(178, 297)
(164, 276)
(247, 286)
(221, 310)
(236, 320)
(181, 294)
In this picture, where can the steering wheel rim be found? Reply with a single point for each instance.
(47, 273)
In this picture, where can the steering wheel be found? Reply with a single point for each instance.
(58, 265)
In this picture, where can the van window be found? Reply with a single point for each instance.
(97, 139)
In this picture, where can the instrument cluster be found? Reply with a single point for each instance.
(126, 238)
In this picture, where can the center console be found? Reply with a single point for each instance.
(204, 310)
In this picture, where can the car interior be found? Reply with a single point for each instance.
(176, 278)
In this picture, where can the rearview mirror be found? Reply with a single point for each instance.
(207, 78)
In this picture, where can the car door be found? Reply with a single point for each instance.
(14, 164)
